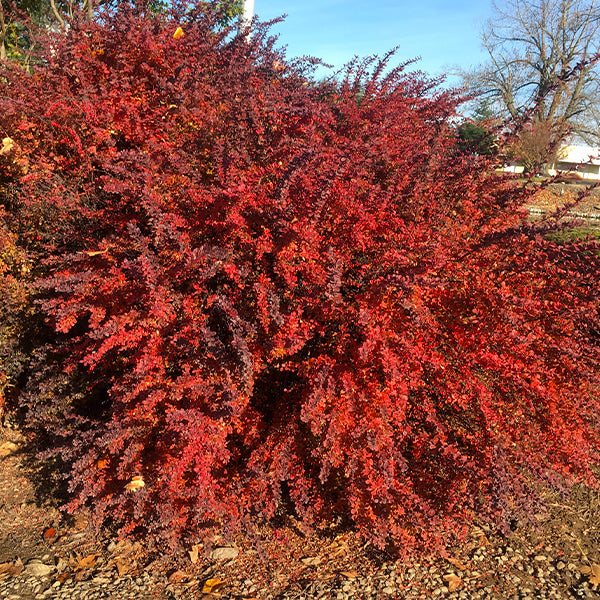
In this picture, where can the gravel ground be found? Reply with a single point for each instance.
(498, 573)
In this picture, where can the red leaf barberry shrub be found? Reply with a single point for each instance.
(15, 300)
(14, 305)
(273, 293)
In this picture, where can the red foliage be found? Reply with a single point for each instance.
(275, 293)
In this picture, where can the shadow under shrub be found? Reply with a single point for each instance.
(277, 291)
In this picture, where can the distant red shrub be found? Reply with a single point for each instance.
(270, 293)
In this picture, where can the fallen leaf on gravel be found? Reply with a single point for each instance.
(311, 561)
(83, 563)
(49, 533)
(194, 553)
(349, 574)
(454, 582)
(593, 573)
(337, 548)
(11, 569)
(8, 448)
(17, 567)
(124, 565)
(178, 577)
(456, 563)
(212, 585)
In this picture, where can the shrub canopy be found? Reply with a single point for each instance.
(270, 293)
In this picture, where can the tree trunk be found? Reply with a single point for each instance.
(2, 33)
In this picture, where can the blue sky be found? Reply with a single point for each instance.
(442, 33)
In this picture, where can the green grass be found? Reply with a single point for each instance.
(576, 233)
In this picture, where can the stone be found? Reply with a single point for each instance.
(224, 553)
(38, 569)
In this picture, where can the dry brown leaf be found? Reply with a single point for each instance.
(11, 569)
(194, 553)
(454, 582)
(349, 574)
(337, 548)
(594, 576)
(178, 576)
(17, 567)
(312, 561)
(212, 585)
(478, 534)
(87, 562)
(81, 521)
(124, 565)
(7, 145)
(5, 570)
(585, 570)
(456, 563)
(8, 448)
(135, 484)
(49, 533)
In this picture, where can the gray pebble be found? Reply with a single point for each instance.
(224, 553)
(38, 569)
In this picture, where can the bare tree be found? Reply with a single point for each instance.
(542, 63)
(2, 33)
(246, 16)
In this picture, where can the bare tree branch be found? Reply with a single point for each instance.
(542, 62)
(57, 14)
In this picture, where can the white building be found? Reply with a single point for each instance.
(576, 162)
